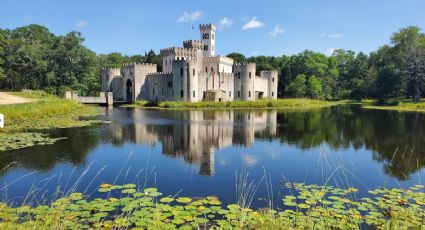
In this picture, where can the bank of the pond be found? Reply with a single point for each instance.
(298, 103)
(402, 105)
(44, 112)
(309, 207)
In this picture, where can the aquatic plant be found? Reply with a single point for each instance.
(310, 207)
(23, 140)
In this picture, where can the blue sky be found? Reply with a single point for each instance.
(270, 27)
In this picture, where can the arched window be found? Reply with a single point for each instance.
(212, 70)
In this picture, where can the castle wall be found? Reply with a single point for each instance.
(111, 81)
(244, 83)
(272, 81)
(160, 86)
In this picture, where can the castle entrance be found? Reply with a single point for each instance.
(129, 90)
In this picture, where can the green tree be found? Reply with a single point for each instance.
(297, 88)
(409, 44)
(237, 57)
(314, 87)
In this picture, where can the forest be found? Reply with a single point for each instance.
(31, 57)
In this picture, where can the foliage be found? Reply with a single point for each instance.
(297, 88)
(310, 207)
(31, 57)
(263, 103)
(47, 112)
(24, 140)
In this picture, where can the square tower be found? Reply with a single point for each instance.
(208, 38)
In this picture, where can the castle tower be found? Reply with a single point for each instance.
(208, 38)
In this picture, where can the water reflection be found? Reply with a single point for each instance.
(194, 135)
(396, 141)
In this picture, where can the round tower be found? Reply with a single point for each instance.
(208, 38)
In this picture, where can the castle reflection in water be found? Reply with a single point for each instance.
(193, 135)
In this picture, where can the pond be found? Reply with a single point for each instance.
(200, 153)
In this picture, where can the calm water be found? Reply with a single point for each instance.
(198, 153)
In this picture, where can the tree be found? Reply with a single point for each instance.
(314, 87)
(409, 44)
(297, 88)
(237, 57)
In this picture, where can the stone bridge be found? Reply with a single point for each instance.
(104, 98)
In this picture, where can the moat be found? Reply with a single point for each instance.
(198, 153)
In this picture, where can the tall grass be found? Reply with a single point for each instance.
(258, 104)
(47, 111)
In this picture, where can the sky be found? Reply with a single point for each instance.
(251, 27)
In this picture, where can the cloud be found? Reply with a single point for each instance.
(249, 160)
(225, 22)
(276, 31)
(331, 35)
(330, 51)
(81, 24)
(190, 16)
(253, 24)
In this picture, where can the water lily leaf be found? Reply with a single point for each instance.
(129, 191)
(184, 200)
(128, 186)
(76, 196)
(105, 185)
(166, 199)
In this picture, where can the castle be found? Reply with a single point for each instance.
(191, 73)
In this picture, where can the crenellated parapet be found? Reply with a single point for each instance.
(193, 44)
(160, 74)
(179, 52)
(208, 26)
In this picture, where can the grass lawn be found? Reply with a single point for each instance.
(297, 103)
(402, 105)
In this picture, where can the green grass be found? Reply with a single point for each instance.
(308, 207)
(299, 103)
(45, 112)
(400, 105)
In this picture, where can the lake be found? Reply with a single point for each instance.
(200, 153)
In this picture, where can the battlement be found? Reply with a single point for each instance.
(139, 64)
(245, 65)
(179, 51)
(207, 27)
(160, 74)
(193, 44)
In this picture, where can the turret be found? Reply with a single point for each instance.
(208, 38)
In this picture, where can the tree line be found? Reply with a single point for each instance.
(32, 57)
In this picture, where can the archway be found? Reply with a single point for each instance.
(129, 90)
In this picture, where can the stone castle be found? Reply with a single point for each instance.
(191, 73)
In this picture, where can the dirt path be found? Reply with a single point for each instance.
(7, 99)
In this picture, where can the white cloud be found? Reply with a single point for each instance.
(253, 24)
(81, 24)
(190, 16)
(249, 160)
(225, 22)
(331, 35)
(330, 51)
(276, 31)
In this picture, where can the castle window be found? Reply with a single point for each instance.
(212, 70)
(207, 36)
(272, 94)
(203, 94)
(272, 79)
(212, 35)
(230, 93)
(249, 93)
(249, 75)
(239, 75)
(206, 69)
(181, 93)
(181, 72)
(239, 93)
(153, 91)
(193, 93)
(193, 72)
(205, 47)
